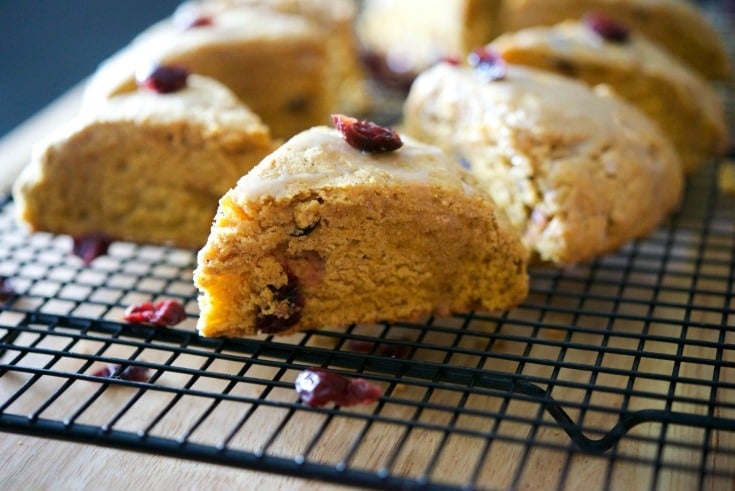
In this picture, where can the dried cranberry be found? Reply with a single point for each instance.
(162, 79)
(186, 22)
(164, 313)
(391, 350)
(488, 64)
(366, 135)
(450, 60)
(132, 373)
(606, 28)
(382, 72)
(88, 247)
(6, 289)
(318, 386)
(303, 231)
(290, 299)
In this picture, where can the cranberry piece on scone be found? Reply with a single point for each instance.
(487, 63)
(288, 312)
(607, 28)
(367, 136)
(162, 79)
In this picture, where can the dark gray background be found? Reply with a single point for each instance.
(48, 46)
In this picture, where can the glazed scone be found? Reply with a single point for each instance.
(403, 37)
(640, 71)
(320, 234)
(143, 167)
(578, 172)
(337, 19)
(678, 25)
(277, 64)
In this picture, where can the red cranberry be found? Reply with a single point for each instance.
(488, 63)
(365, 135)
(162, 79)
(190, 15)
(289, 296)
(132, 373)
(165, 313)
(88, 247)
(318, 386)
(451, 60)
(382, 72)
(391, 350)
(6, 289)
(192, 18)
(606, 28)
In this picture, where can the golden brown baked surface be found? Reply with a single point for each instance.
(640, 71)
(276, 63)
(320, 234)
(579, 172)
(678, 25)
(143, 166)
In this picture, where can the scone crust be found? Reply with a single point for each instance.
(142, 166)
(640, 71)
(359, 238)
(579, 172)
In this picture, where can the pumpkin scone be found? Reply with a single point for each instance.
(677, 25)
(403, 37)
(276, 63)
(598, 50)
(324, 234)
(147, 166)
(578, 171)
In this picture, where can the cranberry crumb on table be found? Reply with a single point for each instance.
(89, 247)
(165, 313)
(133, 373)
(319, 386)
(6, 289)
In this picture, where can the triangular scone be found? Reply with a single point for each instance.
(275, 63)
(680, 26)
(143, 166)
(640, 71)
(579, 172)
(321, 234)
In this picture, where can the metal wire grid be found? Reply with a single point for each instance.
(625, 365)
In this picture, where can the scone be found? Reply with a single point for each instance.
(597, 51)
(403, 37)
(578, 172)
(678, 25)
(143, 166)
(337, 19)
(322, 234)
(277, 64)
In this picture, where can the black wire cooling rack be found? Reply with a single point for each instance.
(625, 365)
(615, 374)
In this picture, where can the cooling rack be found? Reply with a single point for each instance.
(615, 374)
(625, 365)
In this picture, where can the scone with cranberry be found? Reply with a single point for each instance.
(579, 172)
(403, 37)
(336, 18)
(146, 166)
(323, 233)
(598, 50)
(677, 25)
(277, 64)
